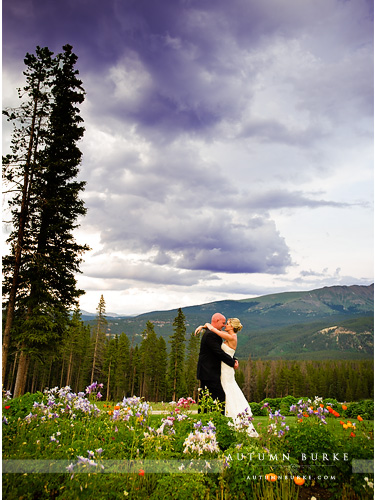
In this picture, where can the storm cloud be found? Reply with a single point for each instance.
(228, 146)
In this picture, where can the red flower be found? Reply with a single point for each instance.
(352, 434)
(141, 472)
(7, 407)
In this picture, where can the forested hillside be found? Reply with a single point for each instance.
(332, 322)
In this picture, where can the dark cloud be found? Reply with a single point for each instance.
(205, 121)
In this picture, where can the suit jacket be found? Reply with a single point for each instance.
(210, 357)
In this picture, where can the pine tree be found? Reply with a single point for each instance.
(176, 357)
(98, 339)
(191, 366)
(109, 365)
(122, 368)
(40, 279)
(149, 362)
(19, 172)
(162, 362)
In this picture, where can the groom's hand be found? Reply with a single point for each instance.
(236, 365)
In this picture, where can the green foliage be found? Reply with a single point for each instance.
(363, 408)
(190, 487)
(207, 404)
(176, 358)
(225, 435)
(257, 410)
(21, 406)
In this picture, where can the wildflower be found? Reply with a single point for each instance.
(141, 472)
(344, 407)
(359, 418)
(7, 407)
(299, 480)
(352, 434)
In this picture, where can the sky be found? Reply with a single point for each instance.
(228, 150)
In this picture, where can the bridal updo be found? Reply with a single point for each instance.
(236, 323)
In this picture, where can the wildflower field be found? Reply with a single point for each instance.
(59, 444)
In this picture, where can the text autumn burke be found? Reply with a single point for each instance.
(326, 457)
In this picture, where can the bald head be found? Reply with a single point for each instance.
(218, 321)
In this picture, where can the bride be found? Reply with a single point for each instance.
(235, 401)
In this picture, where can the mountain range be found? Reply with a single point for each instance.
(328, 323)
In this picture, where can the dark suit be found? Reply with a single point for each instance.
(209, 364)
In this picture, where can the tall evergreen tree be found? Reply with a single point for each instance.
(41, 283)
(191, 366)
(162, 363)
(122, 368)
(177, 385)
(98, 340)
(19, 172)
(149, 362)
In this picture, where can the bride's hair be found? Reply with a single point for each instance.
(236, 323)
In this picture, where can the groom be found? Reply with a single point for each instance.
(210, 357)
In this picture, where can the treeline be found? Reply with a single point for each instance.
(341, 380)
(152, 371)
(87, 354)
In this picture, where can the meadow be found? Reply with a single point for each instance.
(59, 444)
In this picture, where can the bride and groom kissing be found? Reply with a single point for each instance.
(216, 365)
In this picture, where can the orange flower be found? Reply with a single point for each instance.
(341, 422)
(141, 472)
(299, 480)
(335, 413)
(110, 412)
(321, 406)
(305, 415)
(344, 407)
(352, 434)
(117, 407)
(300, 420)
(359, 418)
(271, 477)
(345, 426)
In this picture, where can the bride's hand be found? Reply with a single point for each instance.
(197, 330)
(208, 325)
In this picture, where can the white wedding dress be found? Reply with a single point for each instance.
(235, 401)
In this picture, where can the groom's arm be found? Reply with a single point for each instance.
(215, 347)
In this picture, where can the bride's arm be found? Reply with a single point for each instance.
(223, 335)
(198, 329)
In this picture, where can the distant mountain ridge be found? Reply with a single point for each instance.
(285, 325)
